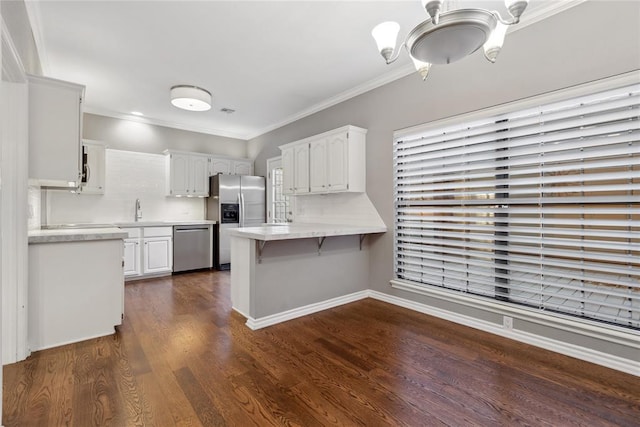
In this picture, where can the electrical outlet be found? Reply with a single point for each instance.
(507, 322)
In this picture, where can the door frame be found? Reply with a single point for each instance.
(14, 163)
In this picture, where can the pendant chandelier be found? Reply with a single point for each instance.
(448, 36)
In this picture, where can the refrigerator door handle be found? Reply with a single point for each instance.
(241, 209)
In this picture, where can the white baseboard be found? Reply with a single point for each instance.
(294, 313)
(604, 359)
(583, 353)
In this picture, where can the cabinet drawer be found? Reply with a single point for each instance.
(157, 231)
(133, 233)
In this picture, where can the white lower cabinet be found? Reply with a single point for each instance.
(131, 263)
(157, 255)
(148, 251)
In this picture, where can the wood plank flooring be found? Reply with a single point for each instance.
(183, 358)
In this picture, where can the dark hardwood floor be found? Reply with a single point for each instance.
(183, 357)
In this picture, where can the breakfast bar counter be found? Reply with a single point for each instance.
(280, 272)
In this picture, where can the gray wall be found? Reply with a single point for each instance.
(588, 42)
(128, 135)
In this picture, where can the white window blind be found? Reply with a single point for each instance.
(538, 207)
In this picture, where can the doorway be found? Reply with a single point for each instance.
(279, 205)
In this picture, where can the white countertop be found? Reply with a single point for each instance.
(75, 235)
(302, 231)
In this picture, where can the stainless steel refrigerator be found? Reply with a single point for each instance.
(234, 201)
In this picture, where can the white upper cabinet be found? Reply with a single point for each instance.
(327, 163)
(242, 167)
(230, 166)
(318, 166)
(94, 167)
(187, 174)
(219, 165)
(55, 129)
(288, 165)
(200, 175)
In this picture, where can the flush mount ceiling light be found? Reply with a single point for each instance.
(449, 35)
(191, 98)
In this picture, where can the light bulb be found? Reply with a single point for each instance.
(493, 45)
(516, 7)
(385, 35)
(421, 67)
(433, 9)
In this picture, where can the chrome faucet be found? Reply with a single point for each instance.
(138, 210)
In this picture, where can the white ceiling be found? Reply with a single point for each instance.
(271, 61)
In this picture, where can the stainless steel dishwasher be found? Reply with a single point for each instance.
(192, 246)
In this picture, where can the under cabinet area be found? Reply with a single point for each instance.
(148, 251)
(331, 162)
(55, 129)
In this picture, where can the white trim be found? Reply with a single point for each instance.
(14, 202)
(540, 13)
(528, 18)
(277, 161)
(337, 99)
(13, 69)
(34, 15)
(583, 353)
(604, 359)
(165, 123)
(294, 313)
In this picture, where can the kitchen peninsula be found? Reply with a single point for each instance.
(280, 272)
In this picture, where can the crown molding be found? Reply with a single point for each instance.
(33, 13)
(528, 18)
(341, 97)
(164, 123)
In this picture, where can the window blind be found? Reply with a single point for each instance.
(538, 207)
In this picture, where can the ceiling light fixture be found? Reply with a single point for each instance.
(191, 98)
(449, 35)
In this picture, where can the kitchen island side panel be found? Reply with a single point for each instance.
(295, 273)
(76, 291)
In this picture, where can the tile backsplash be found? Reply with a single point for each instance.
(339, 208)
(129, 176)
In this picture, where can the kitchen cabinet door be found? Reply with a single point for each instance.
(199, 175)
(178, 171)
(187, 174)
(158, 255)
(242, 167)
(55, 129)
(337, 162)
(94, 169)
(301, 169)
(318, 166)
(218, 165)
(131, 258)
(288, 172)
